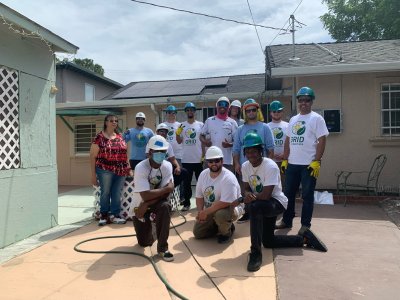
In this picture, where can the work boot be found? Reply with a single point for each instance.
(312, 241)
(255, 260)
(282, 225)
(302, 229)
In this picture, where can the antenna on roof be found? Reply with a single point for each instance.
(294, 46)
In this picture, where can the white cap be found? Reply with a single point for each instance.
(162, 126)
(214, 152)
(140, 115)
(157, 142)
(223, 98)
(236, 103)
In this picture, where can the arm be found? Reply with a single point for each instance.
(199, 203)
(264, 195)
(269, 141)
(94, 151)
(179, 139)
(204, 141)
(236, 163)
(286, 149)
(175, 163)
(320, 148)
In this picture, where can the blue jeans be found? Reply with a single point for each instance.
(296, 174)
(110, 187)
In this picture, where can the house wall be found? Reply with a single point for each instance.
(71, 86)
(354, 149)
(29, 193)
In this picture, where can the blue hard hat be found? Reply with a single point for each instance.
(189, 105)
(171, 108)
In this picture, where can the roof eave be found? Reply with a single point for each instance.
(59, 44)
(335, 69)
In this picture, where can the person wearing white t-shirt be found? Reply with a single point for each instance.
(188, 134)
(278, 128)
(265, 199)
(303, 150)
(216, 190)
(221, 130)
(153, 183)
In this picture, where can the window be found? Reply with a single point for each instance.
(89, 92)
(208, 112)
(83, 138)
(390, 108)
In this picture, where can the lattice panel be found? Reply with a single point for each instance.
(9, 120)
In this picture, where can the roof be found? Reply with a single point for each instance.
(198, 86)
(21, 22)
(76, 68)
(325, 58)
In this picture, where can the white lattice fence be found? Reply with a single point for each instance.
(126, 199)
(9, 120)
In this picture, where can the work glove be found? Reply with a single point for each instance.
(179, 130)
(314, 166)
(284, 166)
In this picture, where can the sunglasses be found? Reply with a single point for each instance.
(251, 110)
(113, 121)
(171, 112)
(214, 161)
(140, 119)
(223, 104)
(190, 109)
(276, 111)
(300, 100)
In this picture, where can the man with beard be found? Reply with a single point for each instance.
(221, 130)
(188, 134)
(139, 136)
(265, 199)
(216, 189)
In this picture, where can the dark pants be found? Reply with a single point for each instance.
(190, 168)
(263, 214)
(296, 174)
(133, 163)
(179, 179)
(144, 235)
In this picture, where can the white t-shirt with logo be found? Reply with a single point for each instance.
(171, 138)
(265, 174)
(303, 132)
(219, 131)
(224, 187)
(191, 151)
(279, 133)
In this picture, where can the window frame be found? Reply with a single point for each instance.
(93, 88)
(389, 110)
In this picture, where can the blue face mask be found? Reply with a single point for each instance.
(158, 157)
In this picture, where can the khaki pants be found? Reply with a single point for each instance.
(218, 223)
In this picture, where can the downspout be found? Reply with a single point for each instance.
(153, 108)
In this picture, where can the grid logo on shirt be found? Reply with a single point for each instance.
(299, 128)
(140, 140)
(209, 194)
(255, 183)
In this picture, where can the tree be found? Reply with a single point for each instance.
(360, 20)
(89, 64)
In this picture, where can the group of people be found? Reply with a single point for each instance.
(239, 165)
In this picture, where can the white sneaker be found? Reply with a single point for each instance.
(167, 256)
(117, 220)
(102, 222)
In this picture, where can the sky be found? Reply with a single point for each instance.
(137, 42)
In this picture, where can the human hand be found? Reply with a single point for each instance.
(141, 210)
(238, 169)
(170, 186)
(179, 130)
(284, 166)
(249, 197)
(126, 132)
(208, 143)
(201, 216)
(177, 170)
(226, 144)
(315, 165)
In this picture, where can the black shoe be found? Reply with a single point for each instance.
(255, 260)
(282, 225)
(313, 241)
(224, 239)
(244, 218)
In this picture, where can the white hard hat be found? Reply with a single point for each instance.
(140, 115)
(157, 142)
(214, 152)
(223, 98)
(236, 103)
(162, 126)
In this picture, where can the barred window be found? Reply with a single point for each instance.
(390, 108)
(9, 119)
(84, 135)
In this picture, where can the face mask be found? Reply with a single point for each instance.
(158, 157)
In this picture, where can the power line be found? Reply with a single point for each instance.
(251, 13)
(205, 15)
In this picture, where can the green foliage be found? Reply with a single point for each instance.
(360, 20)
(89, 64)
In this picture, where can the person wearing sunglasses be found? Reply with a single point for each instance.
(265, 199)
(303, 150)
(221, 129)
(235, 112)
(217, 188)
(109, 166)
(254, 122)
(139, 137)
(153, 183)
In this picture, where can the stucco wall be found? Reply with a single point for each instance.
(29, 193)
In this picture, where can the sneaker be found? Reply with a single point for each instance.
(102, 221)
(224, 239)
(302, 229)
(244, 218)
(282, 225)
(117, 220)
(167, 256)
(185, 208)
(255, 260)
(312, 241)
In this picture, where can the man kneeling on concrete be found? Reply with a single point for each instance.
(216, 189)
(263, 193)
(153, 183)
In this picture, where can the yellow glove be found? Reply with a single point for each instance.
(179, 130)
(315, 166)
(284, 166)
